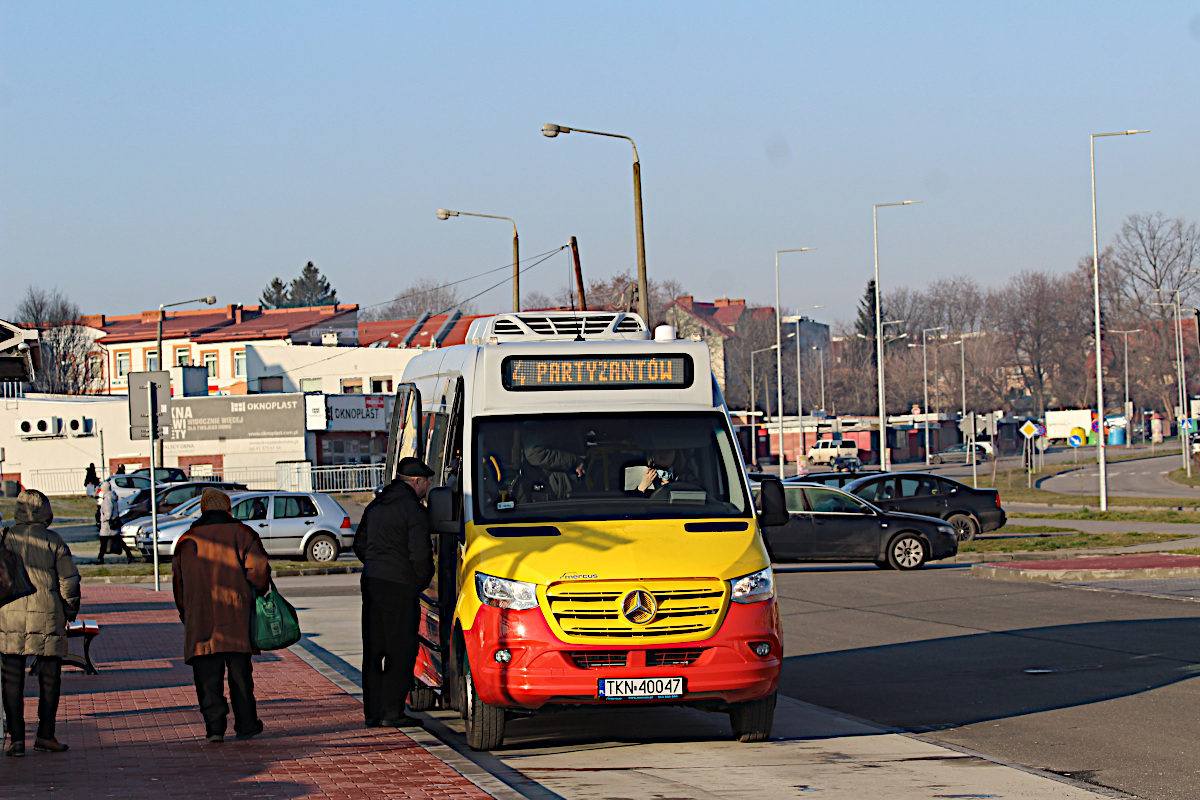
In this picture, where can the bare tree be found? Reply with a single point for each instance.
(64, 344)
(424, 295)
(618, 294)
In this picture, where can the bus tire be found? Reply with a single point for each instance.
(752, 721)
(485, 724)
(422, 698)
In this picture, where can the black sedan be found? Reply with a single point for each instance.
(173, 496)
(827, 524)
(970, 511)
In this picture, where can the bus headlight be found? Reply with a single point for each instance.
(503, 593)
(754, 588)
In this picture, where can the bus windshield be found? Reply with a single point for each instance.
(607, 466)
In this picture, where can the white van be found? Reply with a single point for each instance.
(826, 450)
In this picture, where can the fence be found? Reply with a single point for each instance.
(292, 476)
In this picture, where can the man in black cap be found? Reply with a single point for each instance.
(392, 541)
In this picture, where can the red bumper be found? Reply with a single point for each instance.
(544, 670)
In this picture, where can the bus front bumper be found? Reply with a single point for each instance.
(543, 670)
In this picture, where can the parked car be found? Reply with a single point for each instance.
(961, 452)
(311, 525)
(827, 524)
(838, 480)
(164, 474)
(172, 496)
(969, 511)
(846, 464)
(826, 450)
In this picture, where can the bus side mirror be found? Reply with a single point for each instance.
(774, 505)
(441, 510)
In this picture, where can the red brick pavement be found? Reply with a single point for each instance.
(135, 730)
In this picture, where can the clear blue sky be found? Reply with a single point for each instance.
(153, 152)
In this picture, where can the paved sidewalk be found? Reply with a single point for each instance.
(1108, 567)
(135, 730)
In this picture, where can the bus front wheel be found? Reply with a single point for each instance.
(752, 721)
(485, 724)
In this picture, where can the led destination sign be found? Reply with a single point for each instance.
(597, 372)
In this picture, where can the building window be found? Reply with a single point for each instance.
(273, 383)
(121, 370)
(352, 386)
(210, 363)
(239, 364)
(150, 358)
(310, 385)
(381, 385)
(95, 368)
(183, 356)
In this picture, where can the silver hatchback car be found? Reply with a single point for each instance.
(311, 525)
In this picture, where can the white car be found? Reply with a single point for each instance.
(310, 525)
(826, 450)
(127, 487)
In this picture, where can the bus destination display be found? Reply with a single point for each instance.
(597, 372)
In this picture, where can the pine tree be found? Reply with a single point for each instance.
(311, 289)
(865, 322)
(275, 295)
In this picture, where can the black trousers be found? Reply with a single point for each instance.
(391, 612)
(12, 676)
(209, 674)
(113, 544)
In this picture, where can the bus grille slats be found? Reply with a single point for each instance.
(592, 659)
(685, 608)
(672, 658)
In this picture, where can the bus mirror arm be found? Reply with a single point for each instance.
(774, 505)
(441, 511)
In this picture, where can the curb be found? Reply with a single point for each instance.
(1058, 575)
(120, 580)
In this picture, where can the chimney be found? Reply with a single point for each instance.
(237, 315)
(684, 300)
(740, 302)
(721, 302)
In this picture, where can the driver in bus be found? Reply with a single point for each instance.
(662, 469)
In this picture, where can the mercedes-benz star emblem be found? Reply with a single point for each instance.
(639, 606)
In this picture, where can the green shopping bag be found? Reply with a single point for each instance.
(275, 623)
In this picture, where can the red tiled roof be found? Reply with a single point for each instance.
(277, 323)
(390, 332)
(723, 315)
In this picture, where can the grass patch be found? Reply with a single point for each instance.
(1077, 542)
(78, 506)
(1024, 529)
(1180, 476)
(1188, 551)
(1164, 515)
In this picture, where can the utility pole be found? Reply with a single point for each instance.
(579, 274)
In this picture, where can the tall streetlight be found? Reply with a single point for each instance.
(444, 214)
(1096, 309)
(753, 400)
(779, 348)
(925, 380)
(962, 343)
(550, 130)
(799, 386)
(158, 354)
(1180, 377)
(1125, 408)
(883, 448)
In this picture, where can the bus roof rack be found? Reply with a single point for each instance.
(561, 326)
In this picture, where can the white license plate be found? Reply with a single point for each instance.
(640, 688)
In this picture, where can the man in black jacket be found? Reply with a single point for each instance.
(393, 543)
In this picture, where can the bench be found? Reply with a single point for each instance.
(86, 629)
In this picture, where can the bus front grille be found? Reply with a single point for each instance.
(592, 610)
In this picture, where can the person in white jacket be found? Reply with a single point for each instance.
(110, 525)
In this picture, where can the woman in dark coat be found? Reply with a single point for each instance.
(36, 625)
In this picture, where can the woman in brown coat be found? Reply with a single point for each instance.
(36, 625)
(220, 567)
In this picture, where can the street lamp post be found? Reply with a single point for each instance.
(444, 214)
(1180, 378)
(753, 400)
(1125, 408)
(779, 348)
(925, 381)
(162, 362)
(799, 386)
(550, 130)
(883, 448)
(1100, 455)
(971, 441)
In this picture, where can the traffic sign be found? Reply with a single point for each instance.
(1074, 440)
(139, 404)
(1041, 430)
(1096, 425)
(1187, 424)
(1028, 429)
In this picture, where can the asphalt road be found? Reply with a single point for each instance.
(1144, 477)
(940, 652)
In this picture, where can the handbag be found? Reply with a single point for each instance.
(275, 624)
(14, 580)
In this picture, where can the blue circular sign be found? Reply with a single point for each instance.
(1096, 425)
(1074, 440)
